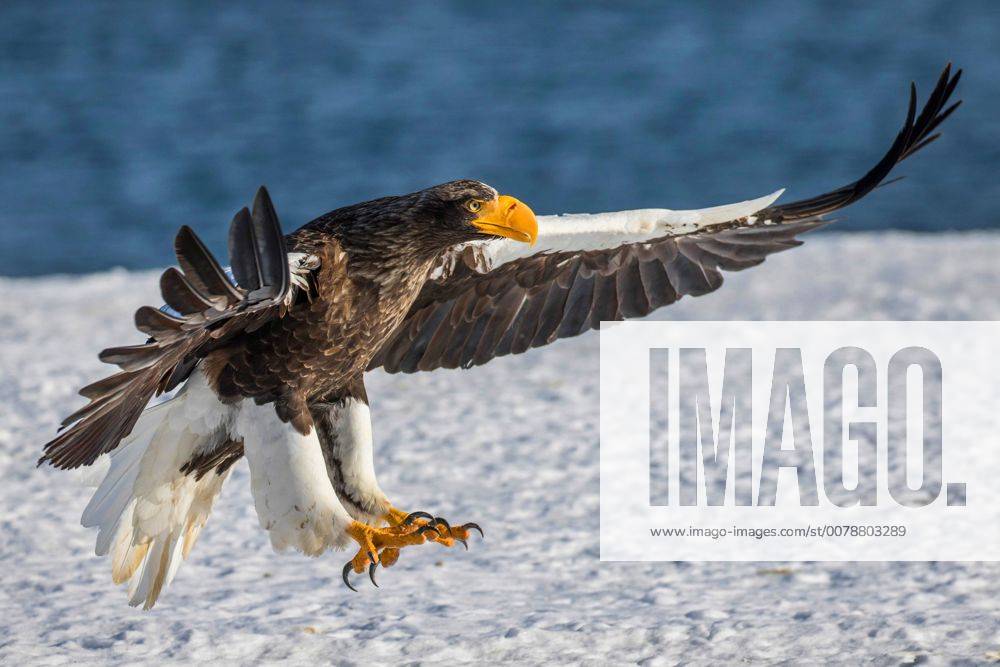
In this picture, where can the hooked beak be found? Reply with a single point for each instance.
(506, 216)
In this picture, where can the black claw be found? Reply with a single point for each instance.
(429, 527)
(371, 573)
(464, 543)
(347, 568)
(438, 521)
(372, 557)
(413, 516)
(474, 526)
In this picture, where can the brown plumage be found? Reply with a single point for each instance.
(475, 312)
(263, 338)
(369, 304)
(404, 283)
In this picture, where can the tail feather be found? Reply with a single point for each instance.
(146, 585)
(127, 556)
(148, 511)
(115, 490)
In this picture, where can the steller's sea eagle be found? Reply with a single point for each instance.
(270, 362)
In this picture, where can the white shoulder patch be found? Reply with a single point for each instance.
(581, 232)
(300, 265)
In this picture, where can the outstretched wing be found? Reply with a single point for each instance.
(490, 299)
(210, 311)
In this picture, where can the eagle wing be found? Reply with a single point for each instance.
(210, 311)
(488, 300)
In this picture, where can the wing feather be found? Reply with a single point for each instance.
(211, 309)
(487, 300)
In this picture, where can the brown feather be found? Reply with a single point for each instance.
(557, 295)
(182, 295)
(201, 269)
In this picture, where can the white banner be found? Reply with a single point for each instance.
(791, 441)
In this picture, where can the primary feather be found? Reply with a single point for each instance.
(487, 300)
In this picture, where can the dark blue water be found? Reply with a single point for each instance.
(120, 123)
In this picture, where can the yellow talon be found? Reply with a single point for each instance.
(372, 540)
(446, 533)
(377, 545)
(381, 546)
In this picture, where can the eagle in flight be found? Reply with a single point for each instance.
(268, 359)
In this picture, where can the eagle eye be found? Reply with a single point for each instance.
(474, 205)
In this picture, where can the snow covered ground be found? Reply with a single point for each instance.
(523, 463)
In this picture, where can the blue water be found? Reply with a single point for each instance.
(118, 123)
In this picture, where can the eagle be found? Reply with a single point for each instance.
(266, 360)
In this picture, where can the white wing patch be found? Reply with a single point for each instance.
(580, 232)
(292, 493)
(301, 265)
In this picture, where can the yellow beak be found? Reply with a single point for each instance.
(508, 217)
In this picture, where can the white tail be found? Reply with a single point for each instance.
(150, 513)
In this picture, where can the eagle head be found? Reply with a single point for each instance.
(468, 210)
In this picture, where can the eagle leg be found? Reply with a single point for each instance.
(374, 542)
(446, 533)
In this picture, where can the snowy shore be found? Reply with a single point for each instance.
(524, 464)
